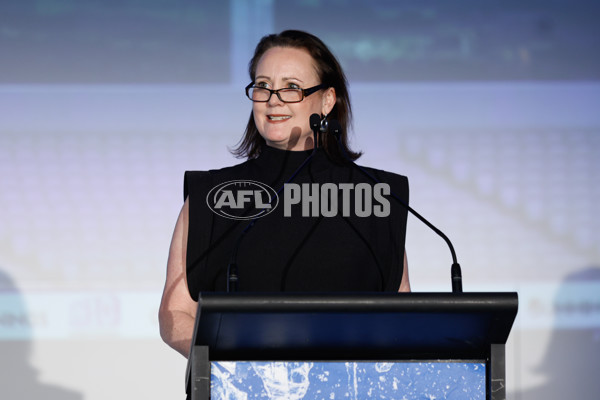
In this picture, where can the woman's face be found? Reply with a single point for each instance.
(286, 125)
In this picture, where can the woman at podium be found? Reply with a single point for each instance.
(298, 215)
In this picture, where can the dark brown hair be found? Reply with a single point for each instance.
(330, 73)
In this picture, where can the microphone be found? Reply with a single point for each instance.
(232, 268)
(455, 271)
(315, 122)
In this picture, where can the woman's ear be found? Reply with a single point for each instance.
(329, 99)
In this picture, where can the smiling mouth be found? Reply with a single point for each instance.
(278, 117)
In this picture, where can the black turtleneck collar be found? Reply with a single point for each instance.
(286, 162)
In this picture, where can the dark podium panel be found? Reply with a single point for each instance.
(339, 327)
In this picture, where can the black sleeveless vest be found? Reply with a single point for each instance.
(296, 252)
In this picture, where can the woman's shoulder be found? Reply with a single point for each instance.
(231, 170)
(223, 170)
(383, 175)
(202, 179)
(397, 184)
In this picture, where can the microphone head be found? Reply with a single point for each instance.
(336, 128)
(315, 122)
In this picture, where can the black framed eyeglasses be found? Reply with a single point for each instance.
(287, 95)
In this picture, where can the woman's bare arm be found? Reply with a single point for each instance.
(177, 310)
(405, 283)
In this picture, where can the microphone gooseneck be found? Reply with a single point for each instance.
(336, 129)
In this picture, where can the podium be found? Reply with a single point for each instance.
(440, 327)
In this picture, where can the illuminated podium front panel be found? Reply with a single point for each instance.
(241, 380)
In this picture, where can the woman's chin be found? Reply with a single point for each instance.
(293, 140)
(277, 145)
(276, 140)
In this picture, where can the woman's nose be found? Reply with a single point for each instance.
(275, 100)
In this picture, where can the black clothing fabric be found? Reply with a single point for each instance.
(295, 253)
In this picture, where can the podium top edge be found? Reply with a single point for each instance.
(358, 302)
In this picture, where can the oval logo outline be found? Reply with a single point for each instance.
(271, 193)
